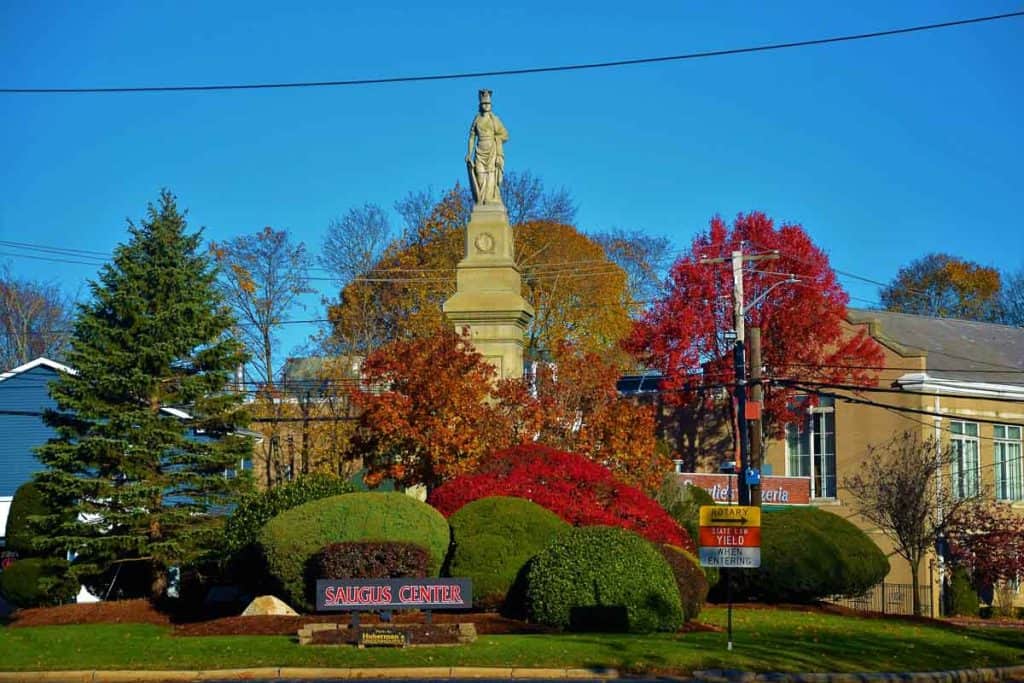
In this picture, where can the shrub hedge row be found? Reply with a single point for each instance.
(808, 554)
(37, 582)
(690, 579)
(291, 541)
(492, 540)
(603, 578)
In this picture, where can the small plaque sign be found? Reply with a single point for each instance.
(382, 637)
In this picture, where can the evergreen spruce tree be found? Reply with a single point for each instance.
(144, 489)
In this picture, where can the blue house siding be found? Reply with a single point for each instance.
(23, 398)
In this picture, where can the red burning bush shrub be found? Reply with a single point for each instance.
(580, 491)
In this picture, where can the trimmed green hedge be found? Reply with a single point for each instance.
(259, 507)
(38, 581)
(808, 554)
(690, 579)
(292, 540)
(21, 530)
(492, 539)
(603, 578)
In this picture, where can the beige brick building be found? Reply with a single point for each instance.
(958, 381)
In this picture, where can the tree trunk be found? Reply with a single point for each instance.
(158, 586)
(915, 584)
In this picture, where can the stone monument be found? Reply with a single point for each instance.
(488, 300)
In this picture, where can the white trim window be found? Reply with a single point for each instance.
(965, 468)
(811, 448)
(1008, 462)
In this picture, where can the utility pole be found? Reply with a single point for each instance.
(756, 426)
(739, 361)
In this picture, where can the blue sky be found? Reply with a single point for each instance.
(883, 149)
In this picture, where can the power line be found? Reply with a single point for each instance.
(883, 390)
(914, 411)
(517, 72)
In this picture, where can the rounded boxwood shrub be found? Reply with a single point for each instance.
(372, 560)
(291, 541)
(493, 539)
(603, 578)
(257, 508)
(808, 554)
(690, 579)
(38, 581)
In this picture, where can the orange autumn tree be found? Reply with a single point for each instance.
(580, 410)
(433, 408)
(428, 412)
(577, 293)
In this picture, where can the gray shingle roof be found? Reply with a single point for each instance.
(962, 350)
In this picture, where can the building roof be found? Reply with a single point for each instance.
(44, 362)
(956, 350)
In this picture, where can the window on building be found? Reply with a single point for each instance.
(965, 468)
(1008, 462)
(811, 447)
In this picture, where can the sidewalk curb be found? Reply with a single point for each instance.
(292, 673)
(985, 675)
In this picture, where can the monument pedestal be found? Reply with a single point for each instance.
(488, 298)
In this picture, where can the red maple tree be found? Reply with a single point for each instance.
(988, 539)
(683, 333)
(574, 487)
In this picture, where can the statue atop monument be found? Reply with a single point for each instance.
(485, 157)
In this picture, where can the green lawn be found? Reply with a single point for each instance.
(765, 640)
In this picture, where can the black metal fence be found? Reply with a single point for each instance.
(890, 598)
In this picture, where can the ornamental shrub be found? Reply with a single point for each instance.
(603, 578)
(963, 598)
(37, 582)
(683, 503)
(23, 520)
(291, 541)
(492, 540)
(577, 489)
(245, 562)
(690, 579)
(257, 508)
(808, 554)
(372, 560)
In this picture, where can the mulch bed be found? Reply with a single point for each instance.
(144, 612)
(486, 623)
(109, 612)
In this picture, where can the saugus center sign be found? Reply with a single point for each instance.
(730, 536)
(386, 594)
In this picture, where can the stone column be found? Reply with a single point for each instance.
(488, 300)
